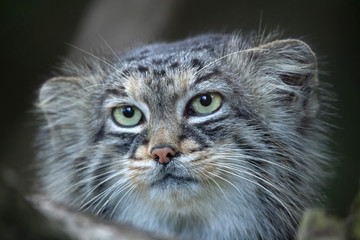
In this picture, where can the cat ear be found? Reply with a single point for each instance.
(58, 93)
(292, 60)
(57, 100)
(58, 88)
(287, 69)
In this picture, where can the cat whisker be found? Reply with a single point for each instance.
(95, 201)
(126, 193)
(99, 184)
(94, 56)
(262, 187)
(226, 56)
(240, 157)
(213, 180)
(108, 45)
(111, 49)
(237, 169)
(260, 22)
(87, 166)
(217, 176)
(82, 181)
(120, 183)
(111, 192)
(130, 193)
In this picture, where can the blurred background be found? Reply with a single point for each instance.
(34, 33)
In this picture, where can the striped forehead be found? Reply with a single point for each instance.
(159, 89)
(163, 80)
(174, 74)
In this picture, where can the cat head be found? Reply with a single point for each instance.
(214, 120)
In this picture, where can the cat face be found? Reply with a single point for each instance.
(208, 127)
(193, 116)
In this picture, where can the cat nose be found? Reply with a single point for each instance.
(163, 154)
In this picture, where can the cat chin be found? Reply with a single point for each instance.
(174, 192)
(192, 219)
(172, 182)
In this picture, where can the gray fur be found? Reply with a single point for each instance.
(250, 168)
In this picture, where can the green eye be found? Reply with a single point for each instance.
(206, 103)
(127, 116)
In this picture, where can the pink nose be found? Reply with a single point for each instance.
(163, 153)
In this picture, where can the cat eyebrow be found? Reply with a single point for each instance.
(112, 92)
(205, 77)
(116, 92)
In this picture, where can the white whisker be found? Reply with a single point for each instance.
(108, 178)
(118, 202)
(238, 169)
(94, 56)
(226, 56)
(213, 180)
(264, 188)
(112, 192)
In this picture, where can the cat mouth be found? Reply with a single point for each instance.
(171, 181)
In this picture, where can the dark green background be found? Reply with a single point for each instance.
(33, 35)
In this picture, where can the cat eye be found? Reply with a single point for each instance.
(205, 103)
(127, 116)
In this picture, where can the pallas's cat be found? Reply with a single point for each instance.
(219, 136)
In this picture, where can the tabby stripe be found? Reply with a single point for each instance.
(140, 139)
(174, 65)
(123, 145)
(123, 136)
(194, 134)
(207, 76)
(143, 69)
(116, 92)
(196, 63)
(212, 131)
(99, 135)
(244, 114)
(211, 121)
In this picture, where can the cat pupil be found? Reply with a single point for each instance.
(205, 100)
(128, 112)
